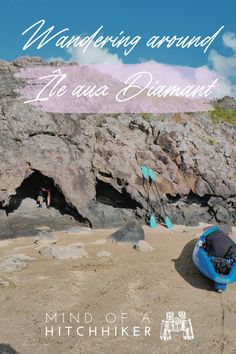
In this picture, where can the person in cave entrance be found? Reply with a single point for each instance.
(44, 196)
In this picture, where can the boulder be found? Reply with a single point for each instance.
(106, 216)
(7, 349)
(222, 215)
(132, 233)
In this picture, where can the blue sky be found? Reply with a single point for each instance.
(145, 18)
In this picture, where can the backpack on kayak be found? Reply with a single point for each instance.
(219, 244)
(222, 249)
(222, 265)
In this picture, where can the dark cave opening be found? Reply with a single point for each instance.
(194, 198)
(173, 198)
(189, 199)
(29, 188)
(108, 195)
(190, 209)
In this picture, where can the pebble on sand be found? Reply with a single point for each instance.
(103, 254)
(101, 241)
(143, 246)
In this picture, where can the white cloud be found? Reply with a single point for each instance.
(225, 88)
(229, 40)
(93, 55)
(56, 59)
(225, 66)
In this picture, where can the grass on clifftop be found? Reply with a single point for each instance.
(221, 115)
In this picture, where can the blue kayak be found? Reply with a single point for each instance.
(203, 262)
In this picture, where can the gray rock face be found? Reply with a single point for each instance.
(132, 232)
(226, 103)
(28, 219)
(94, 161)
(106, 216)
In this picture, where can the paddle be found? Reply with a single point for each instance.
(152, 221)
(144, 172)
(152, 178)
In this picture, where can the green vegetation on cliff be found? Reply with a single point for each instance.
(222, 115)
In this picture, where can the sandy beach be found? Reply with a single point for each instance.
(121, 280)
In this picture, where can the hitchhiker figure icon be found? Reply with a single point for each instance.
(176, 324)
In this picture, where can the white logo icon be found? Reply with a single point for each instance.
(176, 324)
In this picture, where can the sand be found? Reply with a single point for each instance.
(140, 285)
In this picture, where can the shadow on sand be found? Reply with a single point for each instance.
(7, 349)
(188, 271)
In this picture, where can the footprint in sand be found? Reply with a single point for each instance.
(133, 294)
(5, 282)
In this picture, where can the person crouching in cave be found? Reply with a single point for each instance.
(44, 196)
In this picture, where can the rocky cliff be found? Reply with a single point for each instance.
(92, 162)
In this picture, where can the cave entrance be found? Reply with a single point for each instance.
(189, 199)
(29, 188)
(106, 194)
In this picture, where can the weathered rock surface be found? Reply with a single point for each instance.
(226, 103)
(15, 262)
(94, 161)
(27, 220)
(72, 251)
(45, 238)
(132, 232)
